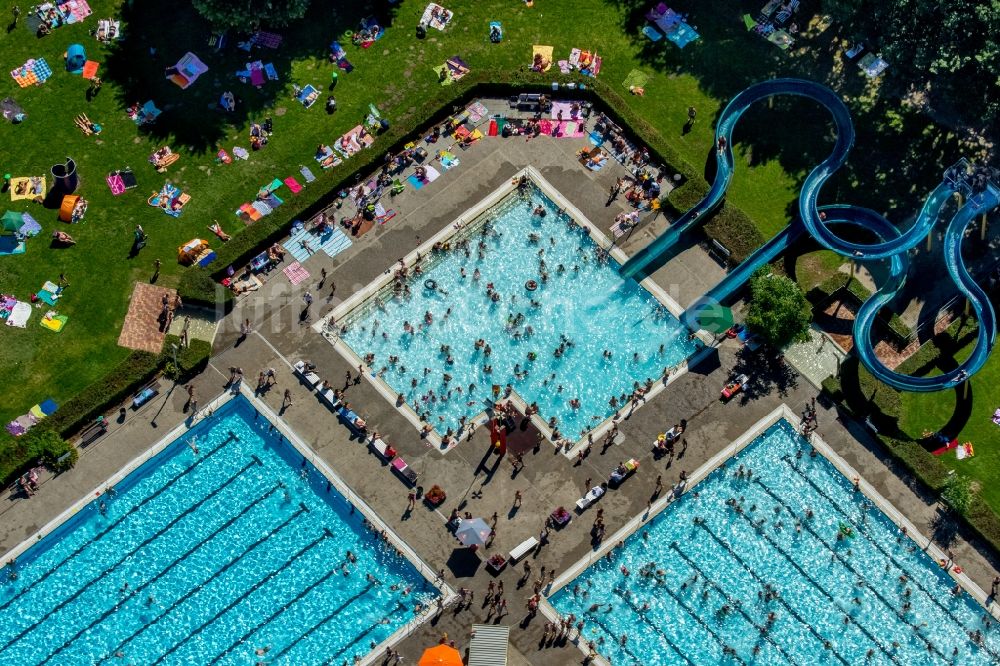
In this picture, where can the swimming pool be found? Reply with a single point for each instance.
(582, 336)
(747, 567)
(225, 543)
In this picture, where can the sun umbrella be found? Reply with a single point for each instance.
(440, 655)
(12, 222)
(473, 532)
(714, 317)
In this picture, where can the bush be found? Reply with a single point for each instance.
(190, 360)
(40, 444)
(735, 231)
(196, 287)
(683, 198)
(957, 493)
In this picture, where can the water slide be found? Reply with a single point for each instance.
(892, 243)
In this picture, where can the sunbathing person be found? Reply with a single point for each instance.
(62, 238)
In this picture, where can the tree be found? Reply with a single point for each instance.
(779, 311)
(241, 13)
(949, 51)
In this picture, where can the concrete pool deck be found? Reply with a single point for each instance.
(473, 480)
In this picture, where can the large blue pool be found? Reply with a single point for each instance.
(548, 344)
(706, 575)
(208, 557)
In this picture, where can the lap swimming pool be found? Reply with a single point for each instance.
(226, 547)
(521, 300)
(775, 558)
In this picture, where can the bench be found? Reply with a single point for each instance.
(718, 251)
(523, 549)
(310, 378)
(92, 432)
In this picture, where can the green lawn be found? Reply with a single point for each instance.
(968, 417)
(779, 144)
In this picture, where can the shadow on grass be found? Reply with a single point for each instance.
(193, 118)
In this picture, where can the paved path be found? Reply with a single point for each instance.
(143, 329)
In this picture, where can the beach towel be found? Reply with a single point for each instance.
(32, 73)
(240, 153)
(115, 183)
(944, 449)
(257, 76)
(436, 16)
(652, 33)
(496, 35)
(416, 182)
(272, 73)
(11, 245)
(564, 67)
(683, 34)
(996, 416)
(293, 185)
(307, 174)
(308, 96)
(90, 69)
(29, 226)
(476, 112)
(30, 187)
(443, 75)
(493, 129)
(295, 273)
(19, 315)
(457, 67)
(636, 78)
(448, 160)
(566, 109)
(54, 323)
(545, 52)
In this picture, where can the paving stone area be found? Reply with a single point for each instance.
(143, 329)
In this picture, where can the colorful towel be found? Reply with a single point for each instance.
(90, 69)
(32, 73)
(272, 73)
(29, 187)
(116, 183)
(545, 52)
(55, 323)
(271, 40)
(436, 16)
(307, 174)
(476, 112)
(564, 108)
(295, 273)
(652, 33)
(11, 245)
(293, 185)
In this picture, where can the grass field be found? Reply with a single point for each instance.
(779, 144)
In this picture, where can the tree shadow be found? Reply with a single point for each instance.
(193, 118)
(767, 371)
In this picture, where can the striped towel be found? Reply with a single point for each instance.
(295, 273)
(307, 174)
(262, 207)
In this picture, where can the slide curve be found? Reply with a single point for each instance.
(893, 244)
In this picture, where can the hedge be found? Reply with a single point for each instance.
(37, 445)
(835, 283)
(734, 231)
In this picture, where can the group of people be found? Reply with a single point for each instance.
(28, 482)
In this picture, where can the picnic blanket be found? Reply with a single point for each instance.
(996, 416)
(436, 16)
(11, 245)
(19, 315)
(566, 111)
(12, 111)
(432, 175)
(545, 52)
(27, 187)
(32, 73)
(636, 78)
(270, 40)
(308, 96)
(652, 33)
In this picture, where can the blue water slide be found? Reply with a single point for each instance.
(891, 243)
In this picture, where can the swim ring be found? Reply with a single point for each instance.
(430, 284)
(531, 285)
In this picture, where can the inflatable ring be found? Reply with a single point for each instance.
(348, 34)
(430, 284)
(531, 285)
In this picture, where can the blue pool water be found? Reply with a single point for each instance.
(820, 580)
(205, 558)
(585, 301)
